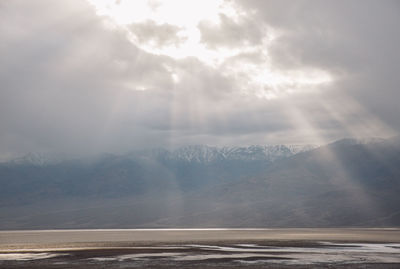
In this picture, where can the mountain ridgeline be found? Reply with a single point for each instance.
(346, 183)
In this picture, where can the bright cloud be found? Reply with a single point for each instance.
(215, 32)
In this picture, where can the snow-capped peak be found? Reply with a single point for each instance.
(37, 159)
(208, 154)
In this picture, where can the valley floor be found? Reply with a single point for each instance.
(275, 248)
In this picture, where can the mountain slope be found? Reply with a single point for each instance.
(346, 183)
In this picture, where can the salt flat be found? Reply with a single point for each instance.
(187, 235)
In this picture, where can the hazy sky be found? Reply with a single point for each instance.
(87, 76)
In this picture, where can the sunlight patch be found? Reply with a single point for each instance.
(178, 29)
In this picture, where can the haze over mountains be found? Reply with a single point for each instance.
(192, 153)
(346, 183)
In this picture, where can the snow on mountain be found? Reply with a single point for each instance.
(37, 159)
(197, 153)
(193, 153)
(265, 152)
(208, 154)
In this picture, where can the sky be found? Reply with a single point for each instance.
(91, 76)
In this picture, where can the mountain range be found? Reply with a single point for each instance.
(348, 183)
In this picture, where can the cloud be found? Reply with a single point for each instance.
(72, 81)
(230, 33)
(158, 35)
(357, 42)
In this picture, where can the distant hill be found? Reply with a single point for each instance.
(346, 183)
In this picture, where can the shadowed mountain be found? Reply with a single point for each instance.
(342, 184)
(346, 183)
